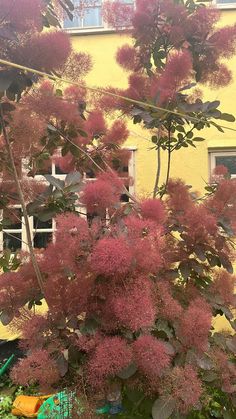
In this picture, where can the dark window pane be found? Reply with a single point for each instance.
(124, 198)
(12, 218)
(42, 224)
(90, 174)
(12, 243)
(58, 171)
(92, 216)
(44, 171)
(227, 161)
(41, 240)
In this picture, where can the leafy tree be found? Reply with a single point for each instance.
(132, 289)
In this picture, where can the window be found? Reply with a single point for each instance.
(13, 236)
(226, 4)
(225, 158)
(91, 17)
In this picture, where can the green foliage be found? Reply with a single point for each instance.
(59, 197)
(180, 126)
(8, 261)
(5, 407)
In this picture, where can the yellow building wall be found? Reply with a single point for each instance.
(190, 164)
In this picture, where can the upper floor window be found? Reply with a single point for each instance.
(90, 17)
(226, 3)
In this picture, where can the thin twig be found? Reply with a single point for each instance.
(156, 187)
(168, 163)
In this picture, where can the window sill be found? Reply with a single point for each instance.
(223, 6)
(226, 6)
(88, 31)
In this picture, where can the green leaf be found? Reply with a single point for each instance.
(233, 324)
(185, 269)
(6, 317)
(231, 344)
(89, 326)
(213, 105)
(228, 415)
(52, 128)
(189, 134)
(51, 19)
(163, 326)
(209, 376)
(59, 92)
(180, 128)
(163, 409)
(73, 178)
(62, 365)
(127, 210)
(46, 215)
(205, 362)
(67, 10)
(227, 264)
(70, 5)
(58, 183)
(74, 188)
(30, 304)
(217, 126)
(227, 312)
(187, 87)
(82, 133)
(127, 372)
(227, 117)
(200, 252)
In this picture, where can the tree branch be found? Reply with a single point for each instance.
(156, 187)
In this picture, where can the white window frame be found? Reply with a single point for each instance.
(212, 159)
(91, 29)
(228, 5)
(14, 231)
(41, 178)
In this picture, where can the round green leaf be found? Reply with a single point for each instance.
(162, 408)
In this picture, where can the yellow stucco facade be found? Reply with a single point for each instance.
(190, 164)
